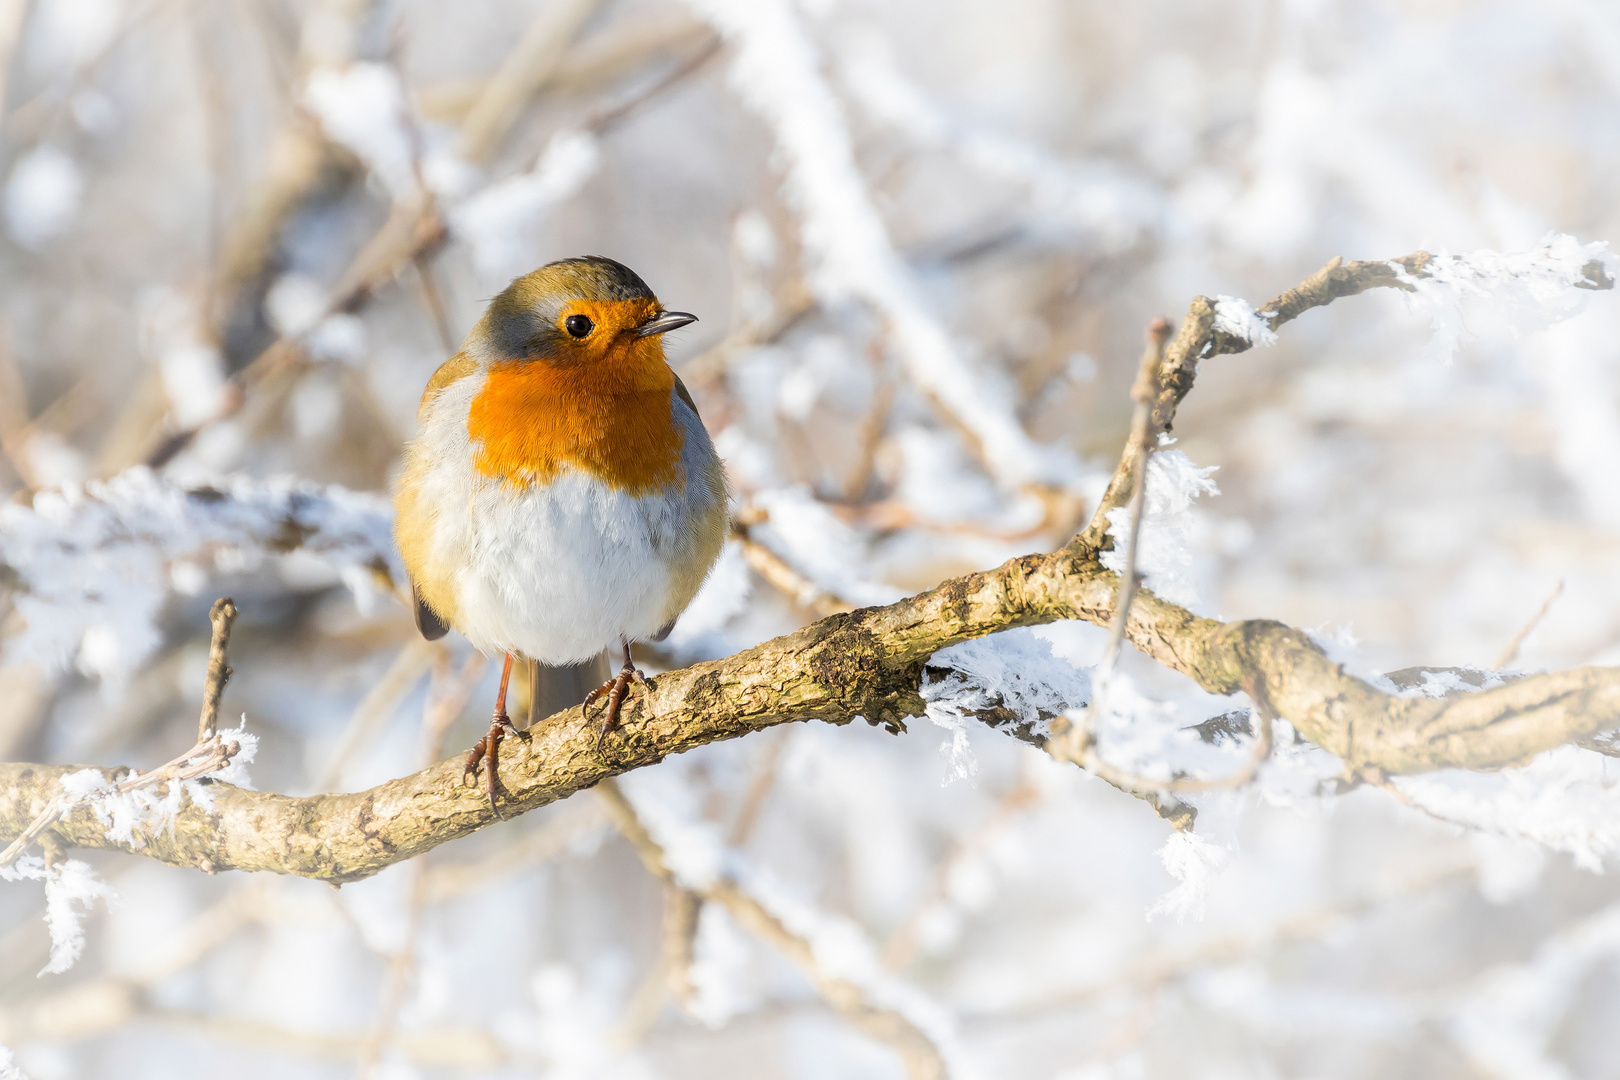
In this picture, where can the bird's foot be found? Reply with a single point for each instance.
(616, 689)
(487, 750)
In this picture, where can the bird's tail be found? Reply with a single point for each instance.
(555, 688)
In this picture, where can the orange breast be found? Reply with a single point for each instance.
(609, 417)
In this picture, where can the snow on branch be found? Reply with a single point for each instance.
(1164, 555)
(67, 884)
(1088, 198)
(89, 568)
(1554, 277)
(1541, 286)
(865, 663)
(1235, 316)
(776, 71)
(1508, 1023)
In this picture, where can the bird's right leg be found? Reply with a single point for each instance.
(487, 749)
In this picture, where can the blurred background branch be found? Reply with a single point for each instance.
(236, 238)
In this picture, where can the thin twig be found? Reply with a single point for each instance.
(780, 573)
(922, 1058)
(1510, 652)
(906, 939)
(681, 916)
(526, 68)
(208, 756)
(1137, 452)
(444, 704)
(766, 770)
(1078, 744)
(603, 119)
(220, 617)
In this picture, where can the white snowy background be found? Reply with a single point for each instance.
(924, 238)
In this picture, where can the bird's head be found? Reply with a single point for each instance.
(575, 311)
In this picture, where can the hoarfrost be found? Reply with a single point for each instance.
(66, 884)
(497, 220)
(1567, 799)
(1014, 672)
(93, 564)
(1192, 860)
(1164, 553)
(1236, 316)
(362, 106)
(775, 70)
(1544, 285)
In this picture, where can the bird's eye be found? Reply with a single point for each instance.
(578, 325)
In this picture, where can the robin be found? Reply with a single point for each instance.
(562, 496)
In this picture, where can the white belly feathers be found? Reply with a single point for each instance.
(561, 571)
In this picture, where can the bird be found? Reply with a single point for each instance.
(562, 496)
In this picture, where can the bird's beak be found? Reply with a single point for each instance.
(664, 322)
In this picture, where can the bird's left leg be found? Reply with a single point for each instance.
(487, 748)
(615, 688)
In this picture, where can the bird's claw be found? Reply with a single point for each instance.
(616, 689)
(487, 751)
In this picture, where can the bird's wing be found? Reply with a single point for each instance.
(686, 395)
(456, 367)
(432, 627)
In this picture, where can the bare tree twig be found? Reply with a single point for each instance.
(766, 770)
(906, 939)
(1198, 339)
(590, 61)
(526, 68)
(680, 935)
(1137, 452)
(603, 119)
(1510, 651)
(220, 617)
(921, 1057)
(779, 573)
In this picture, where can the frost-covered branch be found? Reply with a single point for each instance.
(866, 663)
(1226, 325)
(776, 70)
(88, 568)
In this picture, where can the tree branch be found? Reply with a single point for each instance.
(921, 1057)
(868, 663)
